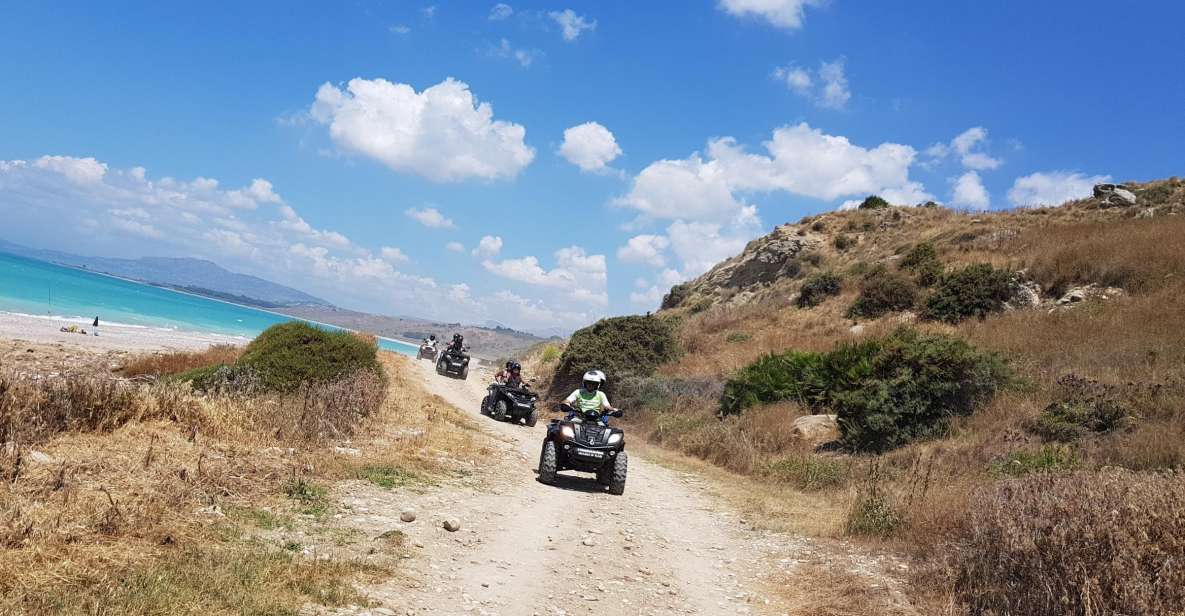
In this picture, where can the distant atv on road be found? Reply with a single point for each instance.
(517, 404)
(427, 351)
(453, 363)
(585, 442)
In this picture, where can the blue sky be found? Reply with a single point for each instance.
(363, 151)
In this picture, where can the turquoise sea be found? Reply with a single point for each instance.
(42, 289)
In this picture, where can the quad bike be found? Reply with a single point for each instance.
(427, 351)
(514, 403)
(453, 363)
(585, 442)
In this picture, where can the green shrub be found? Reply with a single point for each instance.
(874, 202)
(818, 288)
(843, 242)
(873, 515)
(658, 393)
(974, 291)
(1050, 458)
(286, 356)
(922, 260)
(809, 472)
(676, 296)
(885, 392)
(619, 346)
(882, 292)
(739, 337)
(549, 354)
(818, 226)
(1083, 406)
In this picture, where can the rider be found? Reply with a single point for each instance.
(430, 341)
(458, 344)
(511, 375)
(590, 397)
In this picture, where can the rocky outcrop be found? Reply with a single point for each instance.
(816, 429)
(764, 261)
(1114, 195)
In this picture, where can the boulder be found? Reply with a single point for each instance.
(452, 525)
(37, 457)
(1114, 195)
(1073, 296)
(408, 515)
(816, 428)
(1026, 294)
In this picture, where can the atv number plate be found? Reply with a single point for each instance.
(588, 453)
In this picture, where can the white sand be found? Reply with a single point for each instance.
(110, 338)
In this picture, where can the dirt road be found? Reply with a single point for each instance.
(665, 547)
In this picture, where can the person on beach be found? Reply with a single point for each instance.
(95, 327)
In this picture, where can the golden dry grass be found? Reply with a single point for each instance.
(129, 519)
(176, 362)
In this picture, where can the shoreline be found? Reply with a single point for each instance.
(45, 330)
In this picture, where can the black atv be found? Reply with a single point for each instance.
(427, 351)
(585, 442)
(453, 363)
(515, 403)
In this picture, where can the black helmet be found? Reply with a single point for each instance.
(432, 336)
(513, 366)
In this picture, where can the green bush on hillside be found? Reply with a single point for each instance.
(843, 242)
(619, 346)
(974, 291)
(922, 260)
(885, 392)
(818, 288)
(1083, 406)
(882, 292)
(874, 202)
(287, 355)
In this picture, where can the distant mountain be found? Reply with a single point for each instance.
(196, 276)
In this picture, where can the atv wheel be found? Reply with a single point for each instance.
(547, 463)
(439, 369)
(617, 482)
(532, 418)
(499, 413)
(465, 373)
(485, 405)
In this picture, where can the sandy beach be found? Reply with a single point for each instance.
(46, 330)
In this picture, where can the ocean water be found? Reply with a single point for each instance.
(42, 289)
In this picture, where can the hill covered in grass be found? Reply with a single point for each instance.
(998, 386)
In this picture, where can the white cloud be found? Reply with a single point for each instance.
(571, 24)
(500, 11)
(650, 298)
(523, 56)
(645, 249)
(443, 133)
(393, 255)
(688, 188)
(827, 87)
(1052, 188)
(430, 217)
(786, 14)
(455, 246)
(488, 246)
(589, 146)
(701, 245)
(969, 192)
(581, 275)
(967, 145)
(429, 11)
(77, 170)
(399, 29)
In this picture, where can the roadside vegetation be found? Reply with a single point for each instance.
(1028, 459)
(136, 492)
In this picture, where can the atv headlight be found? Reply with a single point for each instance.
(614, 438)
(568, 432)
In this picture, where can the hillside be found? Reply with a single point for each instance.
(485, 342)
(191, 275)
(998, 396)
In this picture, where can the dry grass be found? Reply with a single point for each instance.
(830, 590)
(125, 516)
(176, 362)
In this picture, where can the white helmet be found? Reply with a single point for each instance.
(594, 376)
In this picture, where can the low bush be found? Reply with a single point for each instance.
(619, 346)
(885, 392)
(1083, 406)
(843, 242)
(1050, 458)
(873, 202)
(882, 292)
(164, 364)
(818, 288)
(808, 472)
(738, 337)
(658, 393)
(923, 262)
(1084, 543)
(974, 291)
(286, 356)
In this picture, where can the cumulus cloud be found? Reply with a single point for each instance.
(1052, 188)
(645, 248)
(687, 188)
(443, 133)
(393, 254)
(589, 146)
(455, 246)
(786, 14)
(488, 246)
(827, 87)
(524, 57)
(649, 298)
(968, 146)
(701, 245)
(969, 192)
(430, 217)
(571, 24)
(581, 275)
(500, 12)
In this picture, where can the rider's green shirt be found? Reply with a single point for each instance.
(585, 400)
